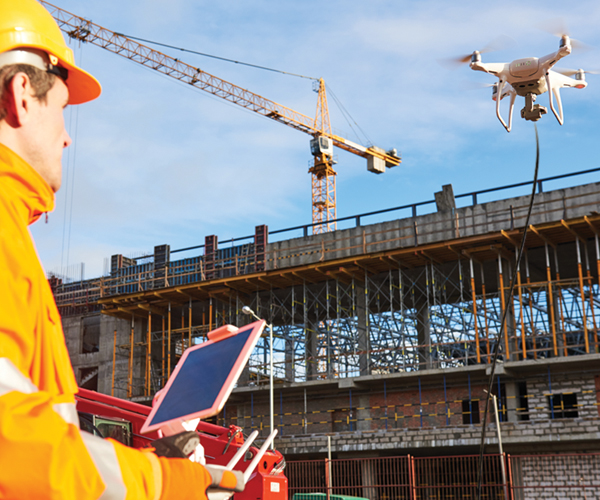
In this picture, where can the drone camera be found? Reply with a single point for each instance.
(533, 114)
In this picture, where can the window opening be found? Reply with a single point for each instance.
(563, 405)
(523, 408)
(470, 411)
(88, 378)
(90, 338)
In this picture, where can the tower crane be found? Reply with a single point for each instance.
(321, 144)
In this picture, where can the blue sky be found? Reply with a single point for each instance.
(155, 162)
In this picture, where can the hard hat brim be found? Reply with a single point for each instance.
(82, 86)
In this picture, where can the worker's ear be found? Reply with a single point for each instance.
(18, 100)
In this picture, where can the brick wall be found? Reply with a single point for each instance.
(540, 388)
(559, 476)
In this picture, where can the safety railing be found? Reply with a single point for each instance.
(146, 277)
(411, 209)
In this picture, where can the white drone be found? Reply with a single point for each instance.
(529, 78)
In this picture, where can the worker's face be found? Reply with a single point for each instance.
(48, 135)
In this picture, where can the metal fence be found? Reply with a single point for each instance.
(568, 476)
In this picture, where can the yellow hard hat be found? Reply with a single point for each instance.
(26, 26)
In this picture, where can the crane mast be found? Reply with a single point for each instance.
(322, 172)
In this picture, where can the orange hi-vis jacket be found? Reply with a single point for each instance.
(43, 453)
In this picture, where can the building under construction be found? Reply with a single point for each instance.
(383, 333)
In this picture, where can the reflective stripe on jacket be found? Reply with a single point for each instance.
(43, 453)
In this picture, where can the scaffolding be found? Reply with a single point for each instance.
(438, 307)
(411, 294)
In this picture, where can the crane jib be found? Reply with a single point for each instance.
(378, 160)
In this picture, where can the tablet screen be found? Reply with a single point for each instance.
(204, 378)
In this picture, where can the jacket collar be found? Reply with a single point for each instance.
(30, 193)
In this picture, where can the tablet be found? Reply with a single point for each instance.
(204, 376)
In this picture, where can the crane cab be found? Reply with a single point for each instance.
(321, 146)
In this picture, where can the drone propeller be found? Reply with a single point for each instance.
(558, 28)
(477, 85)
(499, 43)
(571, 72)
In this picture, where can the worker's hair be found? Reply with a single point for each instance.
(41, 83)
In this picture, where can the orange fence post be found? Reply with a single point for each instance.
(509, 486)
(411, 477)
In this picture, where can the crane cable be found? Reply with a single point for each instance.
(502, 324)
(216, 57)
(350, 119)
(69, 187)
(345, 113)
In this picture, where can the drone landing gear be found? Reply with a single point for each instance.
(532, 112)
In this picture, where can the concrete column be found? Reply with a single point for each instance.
(444, 199)
(245, 376)
(139, 357)
(512, 400)
(424, 336)
(289, 359)
(241, 420)
(362, 423)
(364, 341)
(310, 347)
(560, 342)
(73, 329)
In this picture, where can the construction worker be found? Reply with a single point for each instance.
(43, 453)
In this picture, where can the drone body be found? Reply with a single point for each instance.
(529, 78)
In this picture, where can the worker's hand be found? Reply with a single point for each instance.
(183, 479)
(178, 446)
(226, 480)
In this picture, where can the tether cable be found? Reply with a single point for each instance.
(502, 325)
